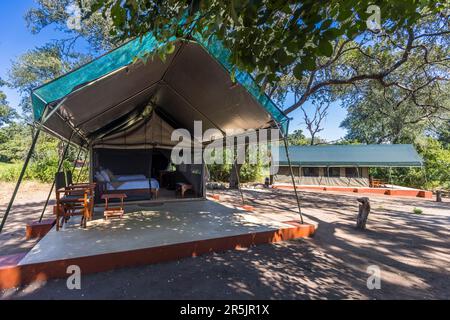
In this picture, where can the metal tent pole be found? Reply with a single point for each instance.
(283, 135)
(292, 176)
(76, 160)
(22, 174)
(390, 178)
(54, 180)
(82, 167)
(238, 180)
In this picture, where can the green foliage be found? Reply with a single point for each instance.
(251, 172)
(219, 172)
(382, 116)
(15, 140)
(444, 134)
(38, 66)
(95, 29)
(417, 211)
(297, 138)
(247, 172)
(7, 114)
(437, 163)
(266, 37)
(9, 172)
(434, 175)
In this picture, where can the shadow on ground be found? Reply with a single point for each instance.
(412, 252)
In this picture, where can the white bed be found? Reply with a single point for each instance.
(132, 184)
(131, 177)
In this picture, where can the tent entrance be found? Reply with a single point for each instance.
(145, 174)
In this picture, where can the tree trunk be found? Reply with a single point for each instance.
(233, 178)
(363, 213)
(312, 139)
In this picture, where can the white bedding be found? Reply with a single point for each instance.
(130, 177)
(130, 185)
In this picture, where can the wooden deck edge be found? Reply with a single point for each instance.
(18, 275)
(382, 191)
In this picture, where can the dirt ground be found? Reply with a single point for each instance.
(411, 250)
(27, 207)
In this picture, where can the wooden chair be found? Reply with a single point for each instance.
(376, 183)
(73, 200)
(71, 204)
(69, 182)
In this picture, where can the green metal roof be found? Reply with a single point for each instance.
(124, 55)
(375, 155)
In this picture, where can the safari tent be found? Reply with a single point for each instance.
(122, 107)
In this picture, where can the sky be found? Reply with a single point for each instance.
(16, 39)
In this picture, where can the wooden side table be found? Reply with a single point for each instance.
(116, 211)
(182, 188)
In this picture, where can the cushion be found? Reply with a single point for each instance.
(99, 177)
(105, 176)
(110, 175)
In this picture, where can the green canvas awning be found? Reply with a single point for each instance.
(193, 83)
(376, 155)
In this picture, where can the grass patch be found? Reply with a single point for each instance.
(36, 171)
(417, 211)
(10, 171)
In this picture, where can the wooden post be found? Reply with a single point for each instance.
(363, 213)
(438, 196)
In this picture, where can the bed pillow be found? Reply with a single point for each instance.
(110, 175)
(105, 176)
(99, 177)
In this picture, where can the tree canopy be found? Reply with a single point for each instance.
(393, 80)
(275, 38)
(7, 114)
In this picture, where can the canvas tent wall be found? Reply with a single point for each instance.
(107, 102)
(344, 165)
(193, 83)
(140, 132)
(142, 146)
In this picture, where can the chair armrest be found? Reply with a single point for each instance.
(93, 184)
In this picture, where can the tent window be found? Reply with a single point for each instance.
(334, 172)
(351, 172)
(310, 172)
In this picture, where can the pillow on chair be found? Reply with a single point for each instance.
(105, 176)
(99, 177)
(110, 175)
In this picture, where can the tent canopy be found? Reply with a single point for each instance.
(191, 84)
(375, 155)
